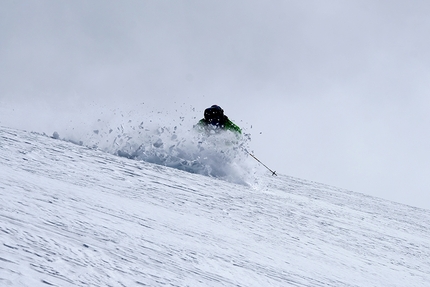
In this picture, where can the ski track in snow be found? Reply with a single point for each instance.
(74, 216)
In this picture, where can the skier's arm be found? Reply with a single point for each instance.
(229, 125)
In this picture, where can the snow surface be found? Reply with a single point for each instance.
(77, 216)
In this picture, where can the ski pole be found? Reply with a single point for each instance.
(273, 172)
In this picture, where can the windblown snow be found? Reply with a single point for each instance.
(72, 215)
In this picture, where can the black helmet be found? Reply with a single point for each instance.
(214, 115)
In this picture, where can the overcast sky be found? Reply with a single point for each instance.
(335, 91)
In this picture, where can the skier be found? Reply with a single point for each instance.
(216, 120)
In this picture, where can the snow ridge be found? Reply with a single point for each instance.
(75, 216)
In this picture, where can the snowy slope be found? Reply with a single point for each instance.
(73, 216)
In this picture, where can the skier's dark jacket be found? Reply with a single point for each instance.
(215, 119)
(225, 124)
